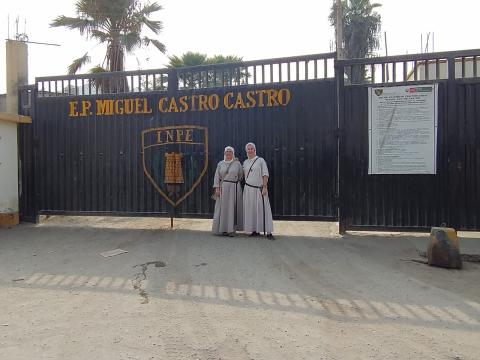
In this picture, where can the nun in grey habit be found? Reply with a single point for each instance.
(228, 215)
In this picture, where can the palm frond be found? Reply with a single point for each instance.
(130, 41)
(96, 9)
(160, 46)
(100, 35)
(100, 85)
(81, 24)
(78, 63)
(149, 9)
(175, 62)
(222, 59)
(155, 26)
(98, 70)
(145, 12)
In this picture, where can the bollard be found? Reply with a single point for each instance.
(443, 248)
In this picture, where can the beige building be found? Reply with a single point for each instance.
(17, 75)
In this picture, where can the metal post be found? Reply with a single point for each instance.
(172, 80)
(339, 29)
(341, 161)
(455, 155)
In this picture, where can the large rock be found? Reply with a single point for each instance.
(443, 248)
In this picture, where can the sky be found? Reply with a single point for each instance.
(252, 29)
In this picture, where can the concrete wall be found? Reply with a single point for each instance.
(3, 102)
(8, 167)
(17, 74)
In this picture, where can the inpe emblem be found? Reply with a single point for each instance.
(378, 92)
(175, 159)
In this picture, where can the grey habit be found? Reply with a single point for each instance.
(224, 215)
(253, 205)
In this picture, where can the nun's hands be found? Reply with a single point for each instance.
(264, 190)
(217, 191)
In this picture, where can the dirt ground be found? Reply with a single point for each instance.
(186, 294)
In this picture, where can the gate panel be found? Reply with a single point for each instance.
(93, 164)
(468, 95)
(416, 202)
(389, 201)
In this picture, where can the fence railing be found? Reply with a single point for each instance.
(377, 70)
(103, 83)
(270, 71)
(409, 68)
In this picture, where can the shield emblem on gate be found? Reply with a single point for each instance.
(175, 159)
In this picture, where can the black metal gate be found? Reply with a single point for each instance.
(416, 202)
(86, 152)
(89, 155)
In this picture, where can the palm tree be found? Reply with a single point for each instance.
(228, 76)
(189, 58)
(116, 23)
(361, 29)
